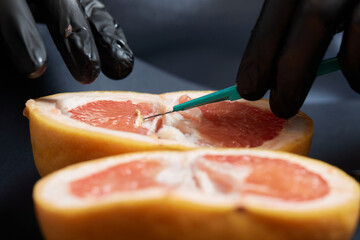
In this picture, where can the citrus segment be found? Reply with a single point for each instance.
(74, 127)
(199, 194)
(113, 115)
(129, 176)
(275, 178)
(238, 124)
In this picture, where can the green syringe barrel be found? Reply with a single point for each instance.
(230, 93)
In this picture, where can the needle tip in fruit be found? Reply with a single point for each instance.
(139, 119)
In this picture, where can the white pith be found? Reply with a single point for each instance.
(177, 176)
(175, 129)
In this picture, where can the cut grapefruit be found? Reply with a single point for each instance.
(198, 194)
(74, 127)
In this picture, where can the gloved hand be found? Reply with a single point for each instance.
(287, 45)
(83, 31)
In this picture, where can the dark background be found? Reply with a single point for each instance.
(179, 45)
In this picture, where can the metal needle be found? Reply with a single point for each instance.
(160, 114)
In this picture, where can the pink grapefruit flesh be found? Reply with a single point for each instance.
(129, 176)
(223, 124)
(115, 115)
(268, 177)
(274, 178)
(237, 124)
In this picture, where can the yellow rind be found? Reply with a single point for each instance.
(302, 146)
(169, 218)
(163, 219)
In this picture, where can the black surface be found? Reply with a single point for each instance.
(192, 47)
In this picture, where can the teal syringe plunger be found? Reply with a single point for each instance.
(231, 93)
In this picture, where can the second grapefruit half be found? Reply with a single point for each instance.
(207, 194)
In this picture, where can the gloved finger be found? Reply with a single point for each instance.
(349, 55)
(19, 34)
(115, 54)
(72, 35)
(311, 31)
(255, 73)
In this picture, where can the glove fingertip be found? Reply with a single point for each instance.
(249, 94)
(283, 106)
(38, 72)
(89, 74)
(117, 63)
(251, 83)
(38, 62)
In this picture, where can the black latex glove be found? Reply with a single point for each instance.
(83, 31)
(287, 45)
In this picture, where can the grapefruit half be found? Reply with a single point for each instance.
(198, 194)
(74, 127)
